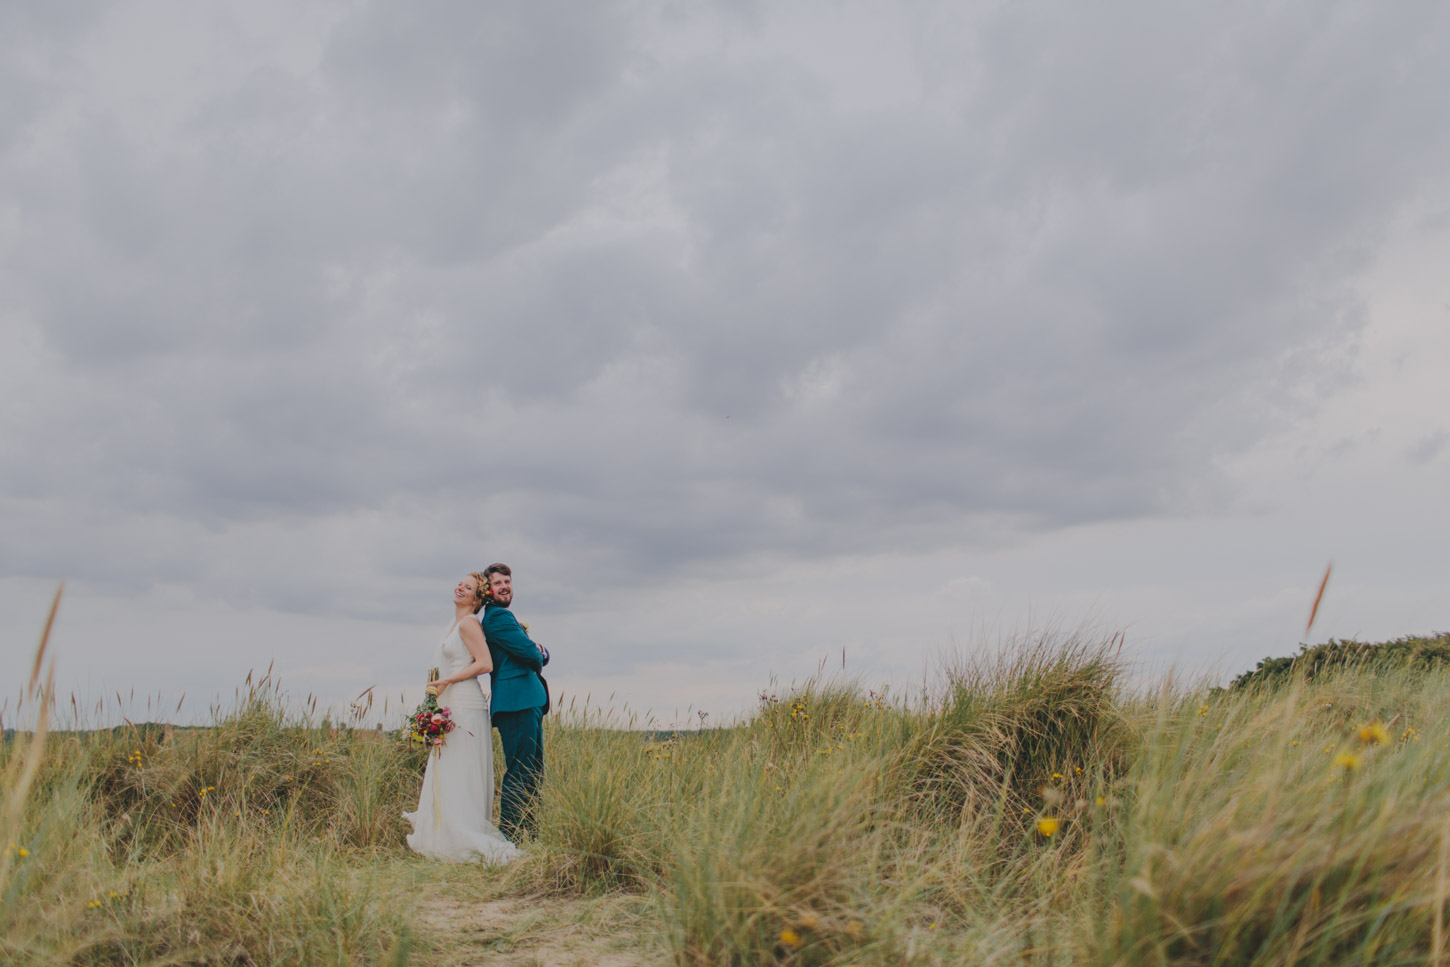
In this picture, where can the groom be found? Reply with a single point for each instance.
(520, 702)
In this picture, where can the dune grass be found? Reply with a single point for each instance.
(1031, 809)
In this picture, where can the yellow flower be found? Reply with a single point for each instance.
(1373, 734)
(1047, 825)
(790, 938)
(1100, 801)
(23, 851)
(1346, 760)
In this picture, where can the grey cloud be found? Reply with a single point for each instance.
(1428, 448)
(635, 288)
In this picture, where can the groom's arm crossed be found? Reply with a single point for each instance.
(503, 631)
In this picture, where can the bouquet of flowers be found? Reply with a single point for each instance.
(429, 723)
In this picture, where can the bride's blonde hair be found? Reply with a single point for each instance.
(480, 590)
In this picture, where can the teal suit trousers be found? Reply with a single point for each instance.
(521, 733)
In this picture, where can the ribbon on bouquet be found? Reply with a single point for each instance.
(437, 810)
(434, 752)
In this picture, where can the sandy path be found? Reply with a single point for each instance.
(516, 932)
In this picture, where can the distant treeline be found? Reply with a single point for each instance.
(1422, 652)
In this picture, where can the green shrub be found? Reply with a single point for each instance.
(1422, 653)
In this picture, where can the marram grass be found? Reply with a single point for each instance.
(1031, 809)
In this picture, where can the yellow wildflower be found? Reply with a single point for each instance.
(1346, 760)
(1047, 825)
(22, 851)
(790, 938)
(1373, 734)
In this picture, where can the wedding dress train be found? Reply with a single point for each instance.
(454, 818)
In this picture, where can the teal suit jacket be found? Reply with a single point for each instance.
(517, 661)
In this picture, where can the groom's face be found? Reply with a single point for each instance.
(501, 586)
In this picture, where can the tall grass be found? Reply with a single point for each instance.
(1030, 809)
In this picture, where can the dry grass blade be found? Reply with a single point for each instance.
(15, 804)
(1442, 892)
(44, 639)
(1318, 598)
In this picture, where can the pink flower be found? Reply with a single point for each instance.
(437, 719)
(438, 740)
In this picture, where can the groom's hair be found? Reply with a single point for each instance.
(493, 569)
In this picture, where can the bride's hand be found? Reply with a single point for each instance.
(435, 687)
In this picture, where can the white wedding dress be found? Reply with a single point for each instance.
(454, 819)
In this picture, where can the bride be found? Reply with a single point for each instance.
(454, 819)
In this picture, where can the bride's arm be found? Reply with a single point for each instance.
(472, 636)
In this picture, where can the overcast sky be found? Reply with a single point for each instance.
(745, 332)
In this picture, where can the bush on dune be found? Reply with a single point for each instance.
(1413, 653)
(1039, 713)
